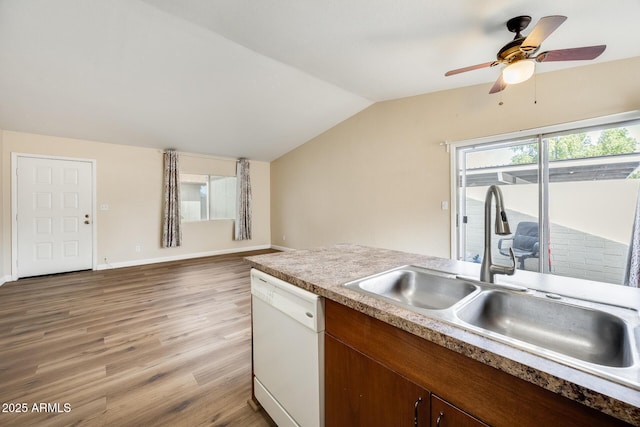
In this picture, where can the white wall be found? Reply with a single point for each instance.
(588, 239)
(379, 177)
(129, 181)
(603, 208)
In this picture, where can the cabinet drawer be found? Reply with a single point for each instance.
(444, 414)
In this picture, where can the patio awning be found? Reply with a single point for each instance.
(589, 169)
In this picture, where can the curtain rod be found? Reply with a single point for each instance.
(203, 156)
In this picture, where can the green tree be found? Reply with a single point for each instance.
(579, 145)
(524, 154)
(569, 146)
(613, 141)
(560, 147)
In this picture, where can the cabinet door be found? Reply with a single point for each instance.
(444, 414)
(361, 392)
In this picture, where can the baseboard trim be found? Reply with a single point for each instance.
(282, 248)
(133, 263)
(138, 262)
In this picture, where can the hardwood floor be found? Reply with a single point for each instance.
(155, 345)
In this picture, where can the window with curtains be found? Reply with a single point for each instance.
(570, 197)
(207, 197)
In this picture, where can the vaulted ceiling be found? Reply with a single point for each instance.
(257, 78)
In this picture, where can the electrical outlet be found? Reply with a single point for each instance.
(138, 248)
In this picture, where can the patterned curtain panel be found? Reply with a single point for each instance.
(171, 231)
(243, 206)
(632, 273)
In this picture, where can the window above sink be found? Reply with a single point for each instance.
(570, 193)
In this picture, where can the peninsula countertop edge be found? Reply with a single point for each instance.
(325, 270)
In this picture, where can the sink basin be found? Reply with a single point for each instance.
(601, 339)
(416, 287)
(583, 333)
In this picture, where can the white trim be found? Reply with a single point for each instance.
(453, 206)
(282, 248)
(14, 206)
(561, 127)
(14, 216)
(137, 262)
(108, 266)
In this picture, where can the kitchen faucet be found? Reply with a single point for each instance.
(488, 269)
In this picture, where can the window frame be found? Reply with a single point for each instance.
(542, 136)
(209, 198)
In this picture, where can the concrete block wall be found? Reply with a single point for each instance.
(573, 253)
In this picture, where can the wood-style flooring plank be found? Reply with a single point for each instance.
(156, 345)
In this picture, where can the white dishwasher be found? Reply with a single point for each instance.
(288, 351)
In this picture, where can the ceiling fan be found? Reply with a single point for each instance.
(518, 57)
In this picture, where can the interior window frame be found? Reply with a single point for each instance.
(542, 135)
(207, 179)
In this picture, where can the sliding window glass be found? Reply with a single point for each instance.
(593, 188)
(514, 168)
(570, 198)
(207, 197)
(194, 197)
(223, 197)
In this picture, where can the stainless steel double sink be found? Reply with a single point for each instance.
(598, 338)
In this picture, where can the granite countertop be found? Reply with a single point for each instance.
(324, 271)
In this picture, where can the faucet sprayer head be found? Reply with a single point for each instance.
(502, 224)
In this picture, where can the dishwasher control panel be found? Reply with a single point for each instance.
(265, 292)
(303, 306)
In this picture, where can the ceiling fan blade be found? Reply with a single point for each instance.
(541, 31)
(499, 85)
(471, 68)
(574, 54)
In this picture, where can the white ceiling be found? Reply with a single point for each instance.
(257, 78)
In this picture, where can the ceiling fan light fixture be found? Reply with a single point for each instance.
(518, 72)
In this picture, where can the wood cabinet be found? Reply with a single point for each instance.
(444, 414)
(363, 353)
(361, 392)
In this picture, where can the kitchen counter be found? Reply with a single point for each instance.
(324, 271)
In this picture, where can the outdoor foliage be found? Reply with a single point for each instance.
(580, 145)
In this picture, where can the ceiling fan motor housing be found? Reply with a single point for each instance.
(513, 51)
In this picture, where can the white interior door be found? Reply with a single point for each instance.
(54, 223)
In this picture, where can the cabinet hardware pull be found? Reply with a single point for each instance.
(440, 417)
(415, 412)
